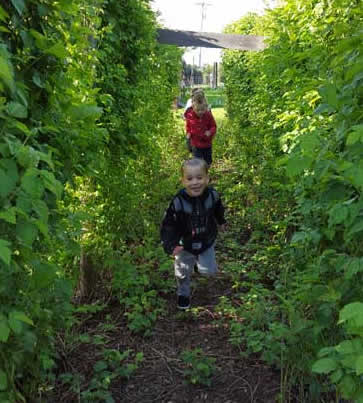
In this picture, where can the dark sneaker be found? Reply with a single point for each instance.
(183, 302)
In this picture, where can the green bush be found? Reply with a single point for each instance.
(296, 125)
(84, 112)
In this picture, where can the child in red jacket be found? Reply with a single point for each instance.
(200, 127)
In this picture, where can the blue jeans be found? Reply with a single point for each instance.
(203, 153)
(184, 267)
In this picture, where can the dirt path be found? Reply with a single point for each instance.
(161, 378)
(161, 375)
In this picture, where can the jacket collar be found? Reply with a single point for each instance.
(183, 193)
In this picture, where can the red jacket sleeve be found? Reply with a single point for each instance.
(187, 120)
(212, 126)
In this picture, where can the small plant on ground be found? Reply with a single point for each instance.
(199, 368)
(111, 366)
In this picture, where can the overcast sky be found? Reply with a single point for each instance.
(187, 15)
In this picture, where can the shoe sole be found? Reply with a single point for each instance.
(183, 308)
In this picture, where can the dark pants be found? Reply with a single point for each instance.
(203, 153)
(189, 146)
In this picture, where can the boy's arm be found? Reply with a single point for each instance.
(169, 233)
(212, 126)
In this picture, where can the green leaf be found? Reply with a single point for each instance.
(11, 169)
(329, 94)
(42, 227)
(324, 108)
(51, 183)
(85, 112)
(3, 15)
(4, 150)
(299, 236)
(355, 135)
(27, 157)
(23, 203)
(68, 7)
(324, 366)
(37, 80)
(46, 158)
(348, 361)
(310, 142)
(44, 275)
(4, 330)
(336, 375)
(19, 6)
(40, 39)
(3, 29)
(9, 215)
(41, 208)
(338, 214)
(359, 365)
(357, 227)
(6, 72)
(15, 325)
(32, 184)
(357, 179)
(350, 311)
(5, 251)
(6, 184)
(297, 164)
(22, 317)
(29, 341)
(358, 398)
(347, 386)
(22, 127)
(26, 232)
(353, 266)
(17, 110)
(345, 347)
(57, 50)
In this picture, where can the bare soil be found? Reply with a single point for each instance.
(160, 376)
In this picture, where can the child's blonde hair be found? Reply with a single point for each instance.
(199, 102)
(194, 162)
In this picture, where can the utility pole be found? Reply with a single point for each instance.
(192, 75)
(204, 6)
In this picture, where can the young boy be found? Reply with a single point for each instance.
(200, 127)
(189, 228)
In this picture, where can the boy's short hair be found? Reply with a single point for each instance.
(194, 162)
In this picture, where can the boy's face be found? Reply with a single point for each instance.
(195, 180)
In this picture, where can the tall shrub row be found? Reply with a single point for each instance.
(296, 111)
(85, 96)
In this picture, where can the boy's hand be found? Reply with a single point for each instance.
(188, 135)
(207, 133)
(223, 227)
(177, 250)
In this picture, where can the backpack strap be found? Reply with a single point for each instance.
(211, 200)
(178, 204)
(215, 195)
(182, 205)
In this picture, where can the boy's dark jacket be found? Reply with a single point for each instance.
(193, 221)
